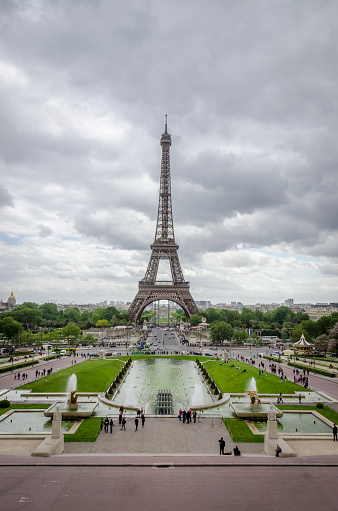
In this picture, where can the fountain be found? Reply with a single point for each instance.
(255, 402)
(72, 393)
(72, 409)
(256, 409)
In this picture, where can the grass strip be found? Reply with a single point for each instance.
(240, 432)
(88, 431)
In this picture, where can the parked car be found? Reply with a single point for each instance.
(208, 354)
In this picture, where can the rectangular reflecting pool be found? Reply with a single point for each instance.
(148, 376)
(30, 422)
(306, 423)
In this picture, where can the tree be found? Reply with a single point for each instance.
(73, 314)
(71, 331)
(310, 327)
(195, 319)
(333, 344)
(321, 344)
(27, 315)
(239, 336)
(102, 323)
(296, 334)
(10, 328)
(220, 332)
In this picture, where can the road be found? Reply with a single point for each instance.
(92, 484)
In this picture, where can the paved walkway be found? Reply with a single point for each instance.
(164, 436)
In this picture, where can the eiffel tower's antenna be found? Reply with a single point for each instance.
(166, 124)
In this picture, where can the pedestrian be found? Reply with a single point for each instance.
(237, 452)
(278, 451)
(123, 424)
(221, 442)
(334, 431)
(106, 425)
(143, 419)
(194, 416)
(299, 399)
(199, 416)
(136, 423)
(111, 424)
(101, 423)
(180, 414)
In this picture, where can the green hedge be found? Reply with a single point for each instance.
(310, 369)
(17, 366)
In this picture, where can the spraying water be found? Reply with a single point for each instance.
(252, 385)
(71, 384)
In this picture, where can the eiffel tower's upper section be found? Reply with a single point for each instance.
(165, 225)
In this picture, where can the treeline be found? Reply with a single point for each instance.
(31, 317)
(282, 322)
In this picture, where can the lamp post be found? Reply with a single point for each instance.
(314, 361)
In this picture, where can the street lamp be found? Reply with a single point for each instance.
(314, 361)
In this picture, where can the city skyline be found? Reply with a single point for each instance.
(250, 92)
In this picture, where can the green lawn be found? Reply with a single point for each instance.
(231, 380)
(240, 431)
(92, 376)
(88, 431)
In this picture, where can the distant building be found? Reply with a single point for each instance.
(203, 304)
(9, 305)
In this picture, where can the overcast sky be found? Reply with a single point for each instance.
(251, 93)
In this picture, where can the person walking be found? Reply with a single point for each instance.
(221, 442)
(136, 423)
(111, 424)
(101, 423)
(143, 419)
(123, 424)
(334, 431)
(106, 425)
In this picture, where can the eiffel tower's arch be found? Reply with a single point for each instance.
(153, 295)
(164, 247)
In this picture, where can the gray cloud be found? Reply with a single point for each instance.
(251, 94)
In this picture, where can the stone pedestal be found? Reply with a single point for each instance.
(272, 430)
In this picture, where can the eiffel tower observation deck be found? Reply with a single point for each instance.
(164, 247)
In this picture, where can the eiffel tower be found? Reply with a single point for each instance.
(164, 247)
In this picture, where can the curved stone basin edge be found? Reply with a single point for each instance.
(221, 402)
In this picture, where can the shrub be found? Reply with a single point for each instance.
(5, 403)
(216, 391)
(319, 405)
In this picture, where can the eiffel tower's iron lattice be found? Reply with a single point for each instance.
(164, 247)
